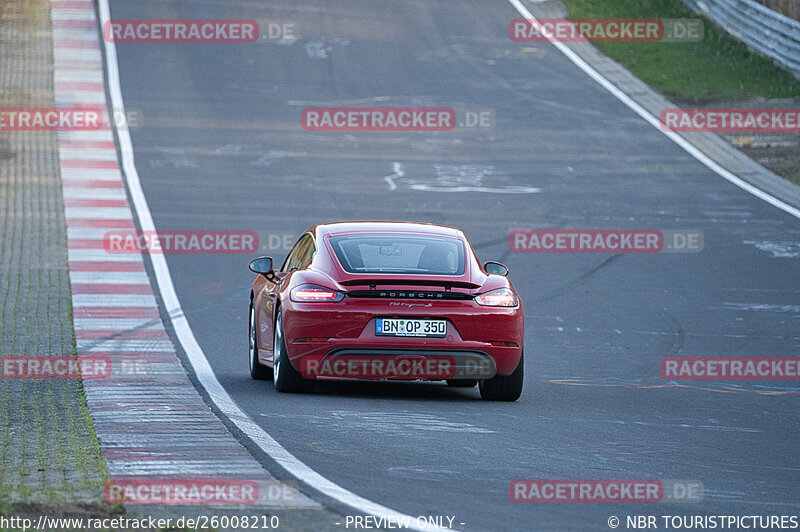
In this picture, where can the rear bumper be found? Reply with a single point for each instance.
(486, 340)
(398, 364)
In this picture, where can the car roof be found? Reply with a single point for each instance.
(340, 228)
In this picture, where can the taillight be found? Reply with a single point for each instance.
(502, 297)
(311, 293)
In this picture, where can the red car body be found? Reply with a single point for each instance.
(326, 308)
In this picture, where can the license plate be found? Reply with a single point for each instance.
(412, 327)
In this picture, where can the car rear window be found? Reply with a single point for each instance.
(408, 254)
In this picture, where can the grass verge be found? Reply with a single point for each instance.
(718, 68)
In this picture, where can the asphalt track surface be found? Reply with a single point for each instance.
(222, 148)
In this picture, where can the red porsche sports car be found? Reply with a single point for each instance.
(386, 300)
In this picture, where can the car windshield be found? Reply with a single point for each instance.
(374, 253)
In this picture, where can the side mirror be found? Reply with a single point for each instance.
(495, 268)
(262, 265)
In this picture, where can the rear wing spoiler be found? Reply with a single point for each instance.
(374, 283)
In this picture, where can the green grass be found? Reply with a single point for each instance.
(53, 434)
(718, 68)
(49, 454)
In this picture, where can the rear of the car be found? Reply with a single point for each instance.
(401, 302)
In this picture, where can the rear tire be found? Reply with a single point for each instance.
(285, 377)
(504, 387)
(462, 383)
(258, 371)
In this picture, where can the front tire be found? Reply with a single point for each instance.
(258, 371)
(504, 387)
(284, 376)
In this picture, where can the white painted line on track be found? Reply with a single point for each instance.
(205, 375)
(98, 213)
(108, 277)
(652, 120)
(109, 194)
(117, 324)
(100, 256)
(76, 54)
(71, 173)
(119, 300)
(398, 173)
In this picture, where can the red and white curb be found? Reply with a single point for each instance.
(149, 418)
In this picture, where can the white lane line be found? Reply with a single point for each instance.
(101, 134)
(101, 256)
(98, 213)
(68, 74)
(107, 277)
(91, 193)
(80, 97)
(113, 300)
(117, 324)
(95, 232)
(205, 375)
(398, 173)
(652, 120)
(72, 14)
(90, 173)
(75, 54)
(99, 154)
(118, 346)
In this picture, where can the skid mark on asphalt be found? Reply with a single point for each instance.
(677, 423)
(424, 472)
(389, 422)
(760, 307)
(759, 389)
(322, 47)
(578, 281)
(484, 51)
(469, 178)
(460, 178)
(779, 249)
(730, 496)
(401, 421)
(620, 450)
(274, 156)
(601, 330)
